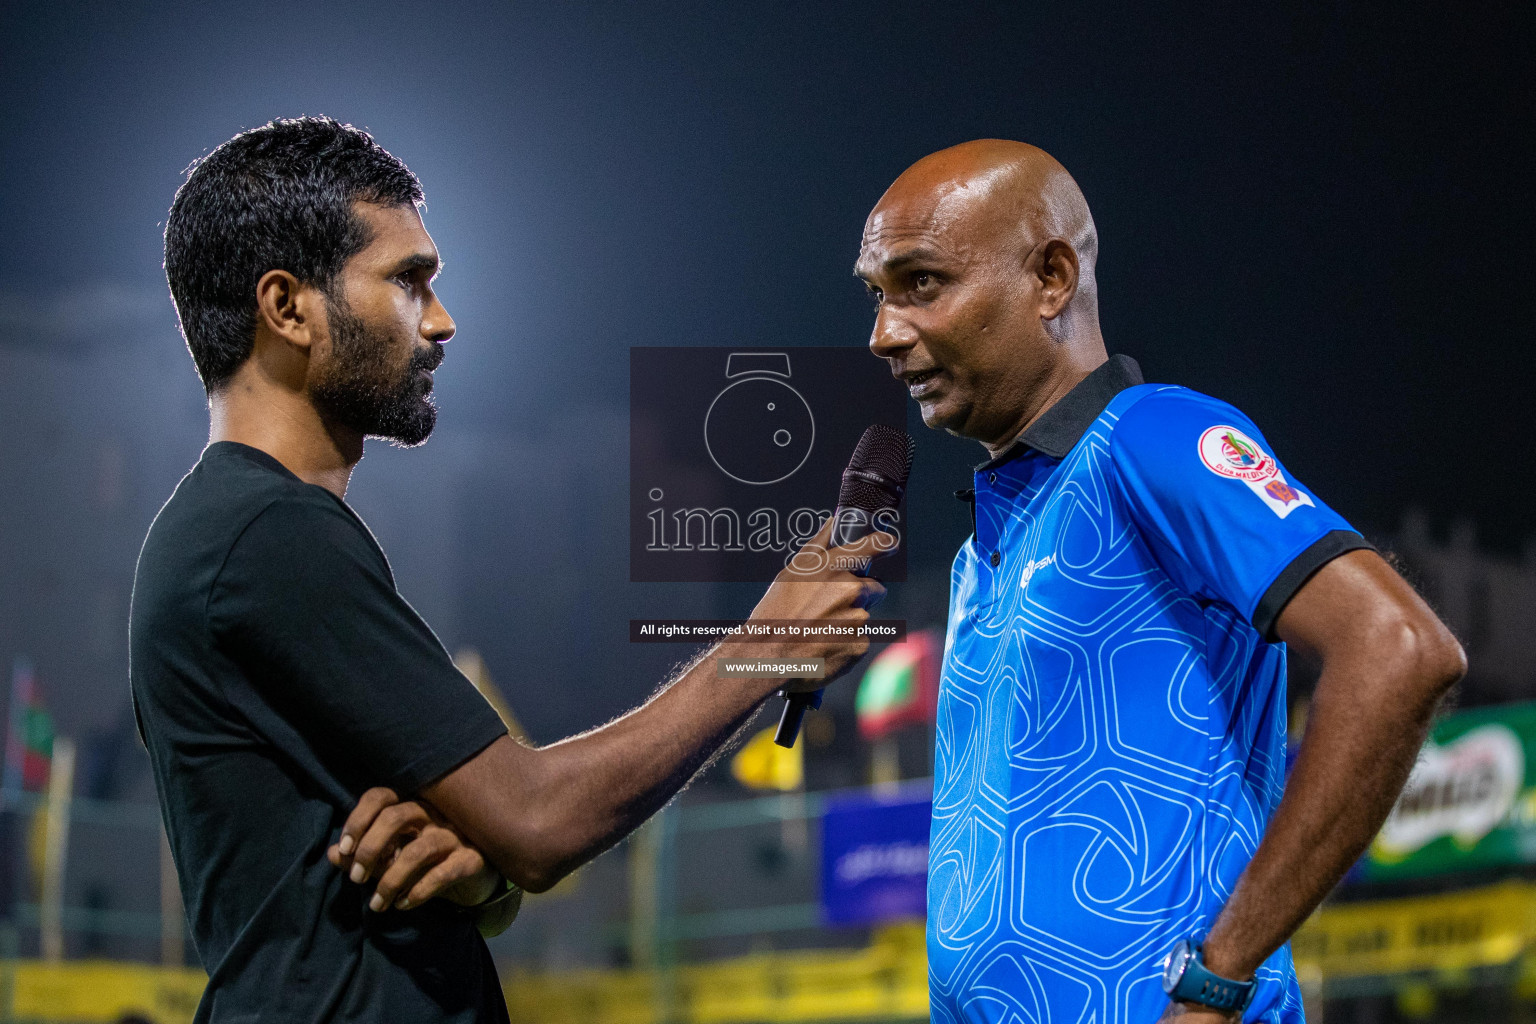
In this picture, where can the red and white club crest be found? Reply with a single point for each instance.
(1229, 452)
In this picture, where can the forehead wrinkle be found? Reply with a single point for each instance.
(890, 234)
(944, 210)
(891, 252)
(893, 225)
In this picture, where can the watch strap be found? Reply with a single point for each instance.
(1198, 984)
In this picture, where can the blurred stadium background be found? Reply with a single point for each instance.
(1321, 213)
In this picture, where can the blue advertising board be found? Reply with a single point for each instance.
(874, 856)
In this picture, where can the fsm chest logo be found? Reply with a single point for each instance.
(1228, 451)
(1034, 566)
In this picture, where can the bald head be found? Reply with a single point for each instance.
(981, 259)
(993, 192)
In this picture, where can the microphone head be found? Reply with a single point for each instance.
(876, 476)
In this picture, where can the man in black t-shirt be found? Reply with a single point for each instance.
(278, 677)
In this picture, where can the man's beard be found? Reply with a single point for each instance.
(360, 390)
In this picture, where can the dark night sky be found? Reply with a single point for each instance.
(1323, 216)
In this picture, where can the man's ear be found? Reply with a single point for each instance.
(289, 310)
(1057, 275)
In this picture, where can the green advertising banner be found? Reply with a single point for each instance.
(1470, 802)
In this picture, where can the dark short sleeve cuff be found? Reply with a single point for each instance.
(1318, 554)
(454, 748)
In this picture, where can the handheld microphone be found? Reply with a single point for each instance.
(874, 481)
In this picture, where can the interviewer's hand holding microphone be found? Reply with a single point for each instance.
(817, 586)
(828, 579)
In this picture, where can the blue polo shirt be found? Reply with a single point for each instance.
(1111, 735)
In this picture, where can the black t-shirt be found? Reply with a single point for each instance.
(277, 674)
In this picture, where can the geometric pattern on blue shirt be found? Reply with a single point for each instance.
(1111, 724)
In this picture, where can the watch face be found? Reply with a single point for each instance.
(1174, 964)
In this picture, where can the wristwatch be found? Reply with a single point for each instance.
(497, 912)
(1186, 980)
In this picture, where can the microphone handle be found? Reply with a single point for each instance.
(797, 703)
(795, 706)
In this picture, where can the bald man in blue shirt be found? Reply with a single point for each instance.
(1110, 842)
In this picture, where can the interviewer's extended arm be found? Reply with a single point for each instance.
(1386, 661)
(539, 813)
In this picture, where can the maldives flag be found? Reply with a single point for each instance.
(901, 686)
(29, 741)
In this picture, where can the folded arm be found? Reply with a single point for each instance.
(412, 855)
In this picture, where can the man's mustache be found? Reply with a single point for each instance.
(428, 359)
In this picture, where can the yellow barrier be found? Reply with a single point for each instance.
(99, 990)
(1454, 931)
(887, 981)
